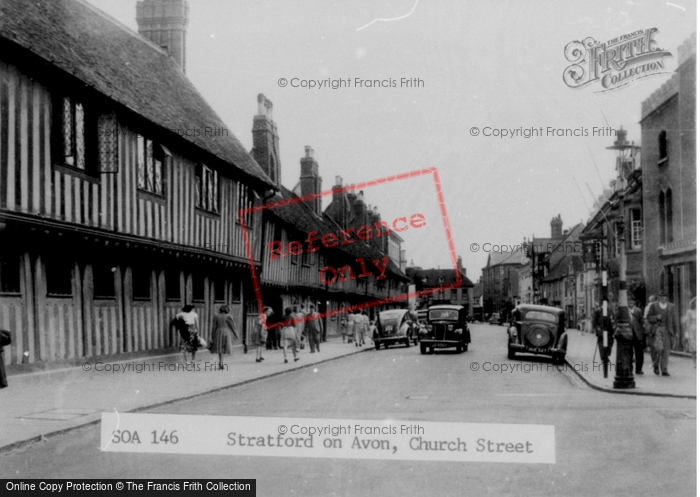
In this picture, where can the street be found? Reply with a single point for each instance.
(606, 444)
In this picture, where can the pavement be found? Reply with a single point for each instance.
(579, 357)
(36, 405)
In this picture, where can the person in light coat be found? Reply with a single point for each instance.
(223, 330)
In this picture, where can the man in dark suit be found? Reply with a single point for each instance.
(664, 321)
(639, 344)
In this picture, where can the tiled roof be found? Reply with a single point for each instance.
(432, 277)
(299, 216)
(514, 257)
(562, 268)
(107, 56)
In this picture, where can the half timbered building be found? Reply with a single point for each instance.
(119, 185)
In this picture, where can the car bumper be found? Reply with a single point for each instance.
(536, 350)
(439, 344)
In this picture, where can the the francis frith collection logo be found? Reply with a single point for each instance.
(616, 62)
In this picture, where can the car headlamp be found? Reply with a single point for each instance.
(513, 331)
(458, 331)
(450, 327)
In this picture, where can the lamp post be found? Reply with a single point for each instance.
(624, 377)
(626, 163)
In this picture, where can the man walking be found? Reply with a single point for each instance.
(664, 322)
(639, 343)
(314, 329)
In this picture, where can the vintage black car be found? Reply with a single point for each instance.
(537, 329)
(396, 326)
(447, 327)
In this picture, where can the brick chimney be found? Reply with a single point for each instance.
(164, 22)
(266, 141)
(556, 225)
(359, 210)
(310, 180)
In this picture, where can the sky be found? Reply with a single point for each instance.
(482, 66)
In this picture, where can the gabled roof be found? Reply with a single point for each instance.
(561, 269)
(121, 64)
(501, 258)
(299, 216)
(432, 277)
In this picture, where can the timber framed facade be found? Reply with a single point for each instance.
(110, 220)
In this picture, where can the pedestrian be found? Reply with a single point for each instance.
(187, 322)
(639, 340)
(589, 325)
(358, 323)
(5, 340)
(314, 329)
(259, 335)
(690, 330)
(662, 316)
(372, 328)
(289, 334)
(343, 326)
(600, 325)
(350, 326)
(365, 326)
(299, 325)
(648, 328)
(273, 339)
(222, 332)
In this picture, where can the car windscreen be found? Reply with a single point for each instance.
(438, 314)
(389, 317)
(541, 316)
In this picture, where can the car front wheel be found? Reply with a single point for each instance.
(511, 352)
(376, 344)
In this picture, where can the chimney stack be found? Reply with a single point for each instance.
(556, 225)
(310, 180)
(164, 22)
(266, 141)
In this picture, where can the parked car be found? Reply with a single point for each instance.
(396, 326)
(537, 329)
(447, 327)
(495, 319)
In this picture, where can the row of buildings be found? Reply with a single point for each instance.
(121, 188)
(649, 211)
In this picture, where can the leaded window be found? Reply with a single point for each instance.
(150, 158)
(207, 189)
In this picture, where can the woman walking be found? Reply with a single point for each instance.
(289, 334)
(690, 320)
(187, 322)
(222, 332)
(258, 337)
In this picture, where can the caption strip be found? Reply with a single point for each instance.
(327, 438)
